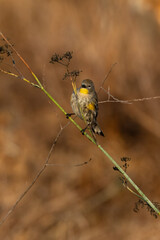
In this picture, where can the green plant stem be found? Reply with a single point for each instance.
(107, 155)
(129, 180)
(104, 151)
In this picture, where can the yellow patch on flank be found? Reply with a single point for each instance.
(91, 106)
(83, 90)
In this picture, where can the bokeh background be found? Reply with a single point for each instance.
(87, 202)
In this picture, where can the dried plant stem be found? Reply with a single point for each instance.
(35, 179)
(130, 101)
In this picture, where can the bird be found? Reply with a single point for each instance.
(84, 103)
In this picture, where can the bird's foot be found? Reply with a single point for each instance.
(69, 115)
(83, 131)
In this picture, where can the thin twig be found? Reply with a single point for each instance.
(106, 77)
(16, 76)
(36, 177)
(129, 101)
(35, 77)
(15, 67)
(112, 99)
(69, 165)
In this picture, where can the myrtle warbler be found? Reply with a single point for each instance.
(84, 103)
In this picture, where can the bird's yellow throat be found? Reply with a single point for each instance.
(83, 90)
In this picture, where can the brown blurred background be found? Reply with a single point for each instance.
(86, 202)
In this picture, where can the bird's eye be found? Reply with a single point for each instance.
(83, 86)
(89, 86)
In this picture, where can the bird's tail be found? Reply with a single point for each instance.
(96, 129)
